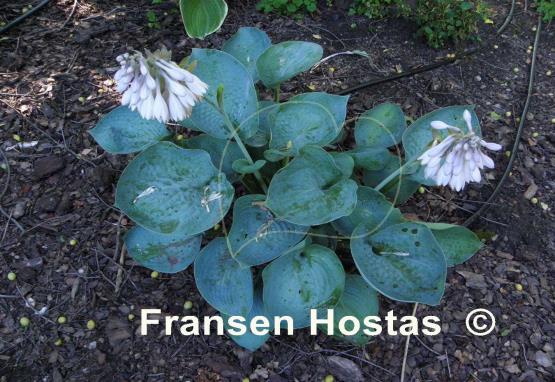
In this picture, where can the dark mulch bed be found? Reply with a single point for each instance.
(54, 85)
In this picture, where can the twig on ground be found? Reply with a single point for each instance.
(403, 368)
(119, 276)
(118, 231)
(75, 2)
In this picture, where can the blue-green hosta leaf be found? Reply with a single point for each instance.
(382, 126)
(247, 45)
(311, 189)
(222, 281)
(249, 340)
(418, 137)
(335, 104)
(124, 131)
(344, 163)
(169, 190)
(162, 253)
(257, 236)
(370, 158)
(457, 242)
(216, 147)
(243, 166)
(285, 60)
(403, 262)
(202, 17)
(359, 300)
(306, 120)
(373, 209)
(310, 278)
(216, 68)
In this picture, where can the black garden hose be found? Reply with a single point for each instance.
(19, 19)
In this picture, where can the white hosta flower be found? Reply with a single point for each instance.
(457, 159)
(157, 87)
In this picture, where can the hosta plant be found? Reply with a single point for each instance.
(264, 197)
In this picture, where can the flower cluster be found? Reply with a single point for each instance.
(157, 87)
(457, 159)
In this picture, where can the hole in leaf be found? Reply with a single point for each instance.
(395, 286)
(414, 231)
(417, 243)
(405, 229)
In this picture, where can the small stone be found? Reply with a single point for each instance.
(345, 369)
(19, 209)
(543, 359)
(473, 280)
(46, 166)
(531, 191)
(528, 162)
(47, 203)
(535, 339)
(513, 369)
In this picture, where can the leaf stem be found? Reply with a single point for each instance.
(393, 175)
(241, 145)
(277, 93)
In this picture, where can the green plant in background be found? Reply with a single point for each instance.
(152, 20)
(377, 9)
(202, 17)
(278, 255)
(547, 9)
(442, 20)
(287, 7)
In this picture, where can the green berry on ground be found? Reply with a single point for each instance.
(91, 324)
(24, 322)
